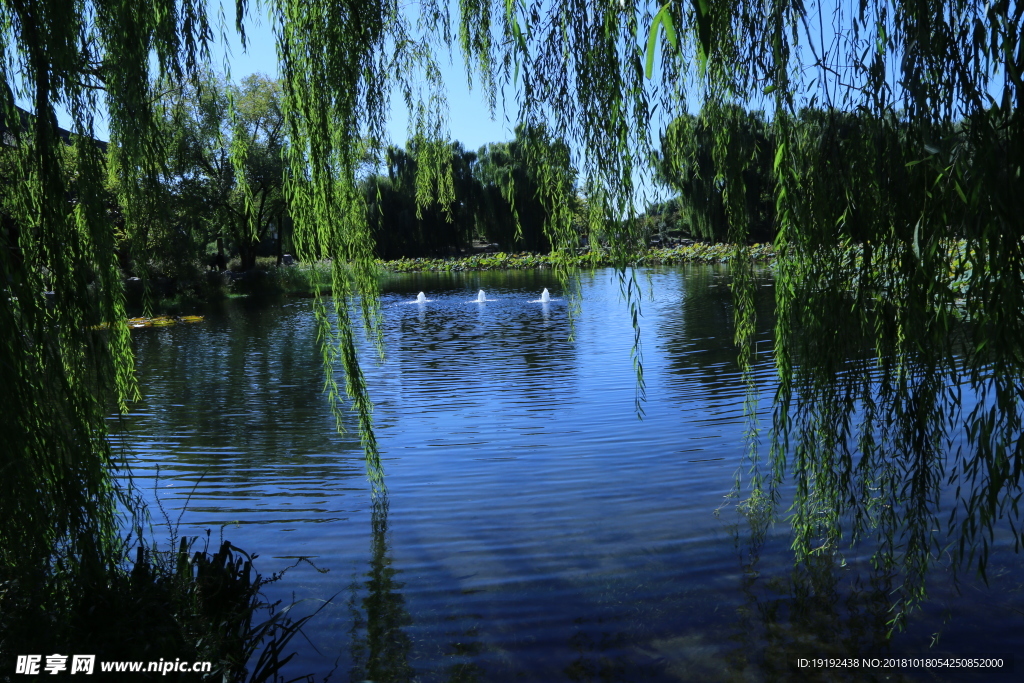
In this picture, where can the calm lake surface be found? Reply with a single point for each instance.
(536, 528)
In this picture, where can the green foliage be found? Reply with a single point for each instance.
(61, 375)
(64, 341)
(257, 147)
(224, 171)
(897, 186)
(663, 19)
(409, 219)
(529, 188)
(509, 194)
(721, 165)
(692, 253)
(903, 135)
(186, 603)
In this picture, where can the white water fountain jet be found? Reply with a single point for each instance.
(545, 298)
(421, 298)
(481, 297)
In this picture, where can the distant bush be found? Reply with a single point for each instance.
(302, 278)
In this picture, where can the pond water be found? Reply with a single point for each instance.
(536, 529)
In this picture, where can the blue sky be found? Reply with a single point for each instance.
(469, 118)
(470, 121)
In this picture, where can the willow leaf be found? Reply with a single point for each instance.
(652, 44)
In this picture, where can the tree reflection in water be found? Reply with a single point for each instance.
(380, 647)
(897, 424)
(817, 608)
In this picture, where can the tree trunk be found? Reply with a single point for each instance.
(247, 253)
(280, 238)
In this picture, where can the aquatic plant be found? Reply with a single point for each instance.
(664, 256)
(186, 603)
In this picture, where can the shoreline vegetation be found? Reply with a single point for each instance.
(300, 279)
(167, 301)
(697, 252)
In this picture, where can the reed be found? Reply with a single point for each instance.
(187, 603)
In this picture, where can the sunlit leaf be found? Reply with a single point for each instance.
(670, 31)
(652, 43)
(703, 18)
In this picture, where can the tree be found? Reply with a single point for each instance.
(528, 185)
(193, 182)
(225, 164)
(409, 218)
(726, 189)
(257, 149)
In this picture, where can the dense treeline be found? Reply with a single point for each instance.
(493, 195)
(222, 183)
(221, 179)
(721, 163)
(221, 197)
(407, 220)
(221, 187)
(217, 198)
(693, 163)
